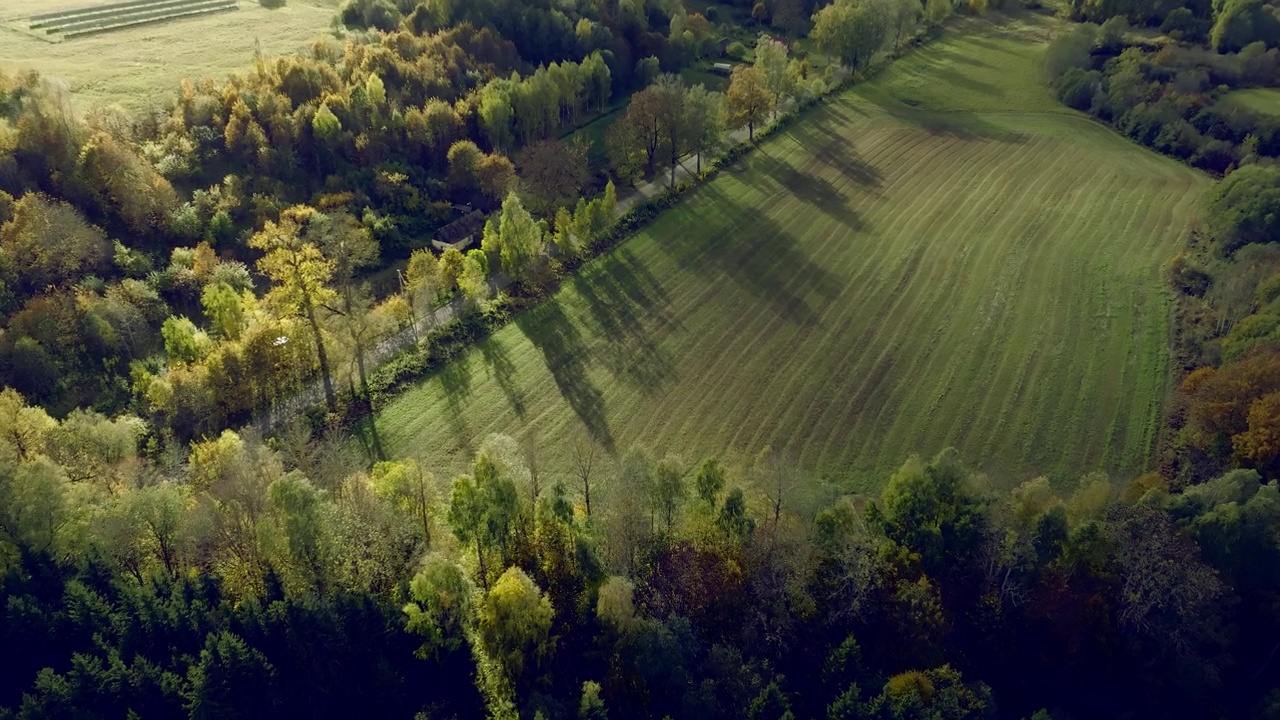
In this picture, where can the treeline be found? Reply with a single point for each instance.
(89, 266)
(278, 578)
(1228, 25)
(1227, 410)
(1173, 95)
(112, 225)
(1172, 98)
(315, 170)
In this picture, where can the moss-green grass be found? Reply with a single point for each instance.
(941, 256)
(139, 68)
(1263, 100)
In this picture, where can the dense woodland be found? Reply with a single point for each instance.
(267, 580)
(1167, 92)
(155, 563)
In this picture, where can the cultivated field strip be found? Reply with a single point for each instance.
(101, 18)
(884, 278)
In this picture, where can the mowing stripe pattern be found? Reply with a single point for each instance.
(897, 273)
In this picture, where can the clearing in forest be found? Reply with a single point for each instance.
(140, 67)
(1263, 100)
(941, 256)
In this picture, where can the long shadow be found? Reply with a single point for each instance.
(838, 154)
(503, 370)
(959, 58)
(628, 307)
(752, 250)
(560, 341)
(957, 124)
(963, 79)
(809, 187)
(455, 382)
(828, 148)
(366, 433)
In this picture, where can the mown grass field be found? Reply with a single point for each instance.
(942, 256)
(139, 67)
(1263, 100)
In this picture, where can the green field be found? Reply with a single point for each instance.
(1263, 100)
(138, 68)
(942, 256)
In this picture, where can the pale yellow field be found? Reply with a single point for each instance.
(141, 66)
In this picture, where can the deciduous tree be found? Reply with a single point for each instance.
(851, 31)
(521, 241)
(408, 488)
(351, 248)
(514, 623)
(301, 274)
(749, 100)
(771, 61)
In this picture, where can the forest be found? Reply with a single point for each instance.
(266, 580)
(168, 278)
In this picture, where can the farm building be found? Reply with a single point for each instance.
(722, 69)
(460, 233)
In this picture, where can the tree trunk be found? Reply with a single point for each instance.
(320, 353)
(166, 554)
(364, 380)
(751, 131)
(422, 507)
(484, 572)
(675, 157)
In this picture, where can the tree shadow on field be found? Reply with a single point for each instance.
(959, 58)
(366, 433)
(628, 307)
(961, 125)
(836, 152)
(555, 334)
(809, 187)
(497, 357)
(952, 76)
(455, 383)
(753, 251)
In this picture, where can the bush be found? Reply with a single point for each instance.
(1187, 278)
(1111, 34)
(1182, 24)
(271, 3)
(1242, 208)
(1077, 88)
(736, 50)
(1072, 50)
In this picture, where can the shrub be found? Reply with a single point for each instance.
(1242, 207)
(736, 50)
(1187, 278)
(1077, 88)
(1073, 49)
(1182, 24)
(1111, 34)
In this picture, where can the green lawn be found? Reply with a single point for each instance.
(695, 76)
(138, 68)
(1263, 100)
(942, 256)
